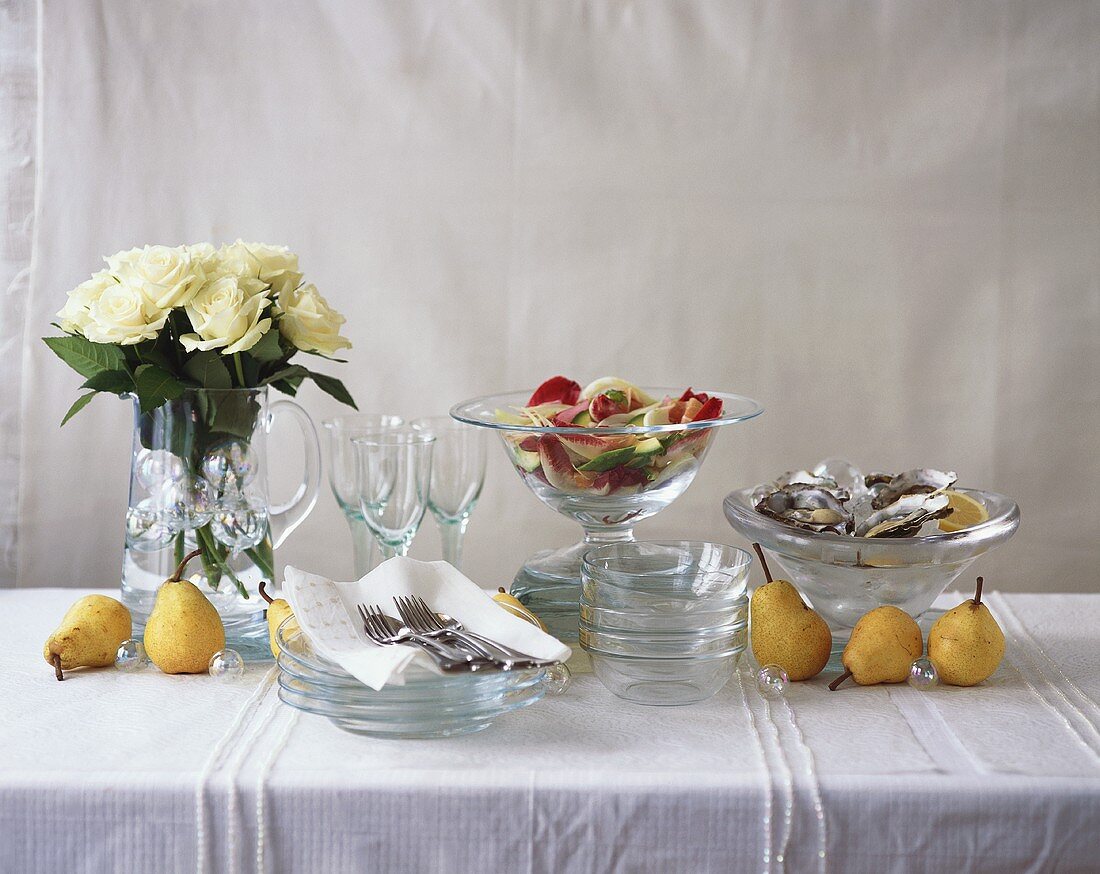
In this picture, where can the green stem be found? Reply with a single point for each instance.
(262, 558)
(213, 548)
(180, 546)
(240, 370)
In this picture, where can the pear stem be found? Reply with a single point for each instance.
(55, 660)
(178, 575)
(763, 562)
(264, 594)
(833, 686)
(978, 591)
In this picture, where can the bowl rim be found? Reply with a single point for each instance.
(743, 517)
(750, 410)
(605, 575)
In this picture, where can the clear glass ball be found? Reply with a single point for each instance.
(186, 503)
(240, 524)
(154, 467)
(923, 674)
(772, 681)
(558, 679)
(230, 466)
(131, 656)
(145, 529)
(842, 472)
(226, 664)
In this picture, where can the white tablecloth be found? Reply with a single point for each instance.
(112, 772)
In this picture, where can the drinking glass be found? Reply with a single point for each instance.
(458, 473)
(341, 477)
(393, 474)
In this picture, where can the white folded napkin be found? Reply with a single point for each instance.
(327, 613)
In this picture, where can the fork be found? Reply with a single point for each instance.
(417, 615)
(448, 659)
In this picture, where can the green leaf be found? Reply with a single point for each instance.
(287, 386)
(323, 355)
(268, 348)
(208, 369)
(332, 386)
(155, 385)
(84, 356)
(116, 382)
(294, 371)
(79, 404)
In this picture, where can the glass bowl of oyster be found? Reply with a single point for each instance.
(851, 541)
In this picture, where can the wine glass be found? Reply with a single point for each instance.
(393, 472)
(458, 473)
(341, 477)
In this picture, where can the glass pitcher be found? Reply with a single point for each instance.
(198, 479)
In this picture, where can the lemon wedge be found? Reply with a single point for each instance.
(967, 512)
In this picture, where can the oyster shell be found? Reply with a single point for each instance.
(918, 481)
(905, 516)
(806, 506)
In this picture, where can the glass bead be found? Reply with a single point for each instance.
(145, 530)
(923, 674)
(131, 656)
(558, 679)
(226, 664)
(230, 466)
(186, 503)
(240, 524)
(772, 681)
(157, 466)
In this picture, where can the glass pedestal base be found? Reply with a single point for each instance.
(549, 584)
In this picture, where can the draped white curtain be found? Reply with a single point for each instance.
(880, 219)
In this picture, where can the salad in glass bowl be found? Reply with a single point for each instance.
(607, 455)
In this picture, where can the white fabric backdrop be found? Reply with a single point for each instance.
(880, 219)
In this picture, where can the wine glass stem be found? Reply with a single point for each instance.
(451, 534)
(363, 544)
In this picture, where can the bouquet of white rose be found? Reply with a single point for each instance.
(162, 319)
(196, 334)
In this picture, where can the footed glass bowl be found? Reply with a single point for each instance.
(653, 466)
(844, 577)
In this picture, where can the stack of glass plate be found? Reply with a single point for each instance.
(428, 705)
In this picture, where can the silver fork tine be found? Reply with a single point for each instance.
(368, 623)
(406, 614)
(430, 616)
(416, 618)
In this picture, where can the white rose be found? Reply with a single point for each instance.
(226, 314)
(307, 321)
(122, 314)
(168, 276)
(277, 266)
(74, 315)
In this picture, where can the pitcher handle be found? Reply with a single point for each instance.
(284, 518)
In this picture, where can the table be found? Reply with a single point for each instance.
(112, 772)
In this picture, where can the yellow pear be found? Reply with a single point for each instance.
(512, 604)
(89, 635)
(882, 648)
(786, 631)
(184, 630)
(966, 644)
(277, 610)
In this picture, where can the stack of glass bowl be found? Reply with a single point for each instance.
(664, 623)
(428, 705)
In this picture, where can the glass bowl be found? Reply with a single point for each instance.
(426, 706)
(660, 621)
(843, 577)
(663, 681)
(607, 504)
(726, 640)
